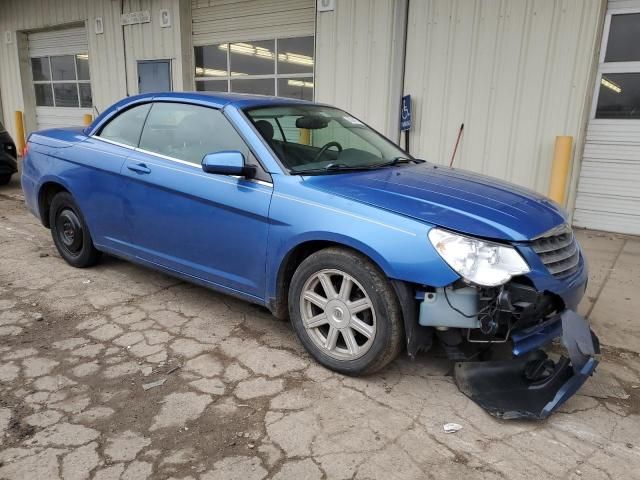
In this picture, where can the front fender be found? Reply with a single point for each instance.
(397, 244)
(337, 238)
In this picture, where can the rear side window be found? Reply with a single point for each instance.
(127, 126)
(189, 132)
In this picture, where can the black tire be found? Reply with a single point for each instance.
(4, 179)
(70, 232)
(388, 339)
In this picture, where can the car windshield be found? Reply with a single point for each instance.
(313, 139)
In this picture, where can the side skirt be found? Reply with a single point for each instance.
(183, 276)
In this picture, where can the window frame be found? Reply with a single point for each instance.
(198, 165)
(274, 76)
(611, 67)
(98, 132)
(262, 176)
(51, 82)
(286, 170)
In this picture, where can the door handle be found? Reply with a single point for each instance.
(139, 168)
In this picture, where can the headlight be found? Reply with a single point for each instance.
(478, 261)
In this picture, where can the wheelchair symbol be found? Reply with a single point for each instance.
(405, 111)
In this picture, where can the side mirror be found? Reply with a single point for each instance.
(229, 162)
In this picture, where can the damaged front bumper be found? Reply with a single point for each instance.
(531, 385)
(507, 326)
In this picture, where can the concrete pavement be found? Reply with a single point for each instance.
(118, 372)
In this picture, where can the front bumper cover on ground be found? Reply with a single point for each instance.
(531, 385)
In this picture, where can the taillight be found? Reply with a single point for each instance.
(25, 150)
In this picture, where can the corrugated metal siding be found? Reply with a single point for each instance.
(216, 21)
(28, 15)
(147, 41)
(106, 52)
(359, 56)
(515, 72)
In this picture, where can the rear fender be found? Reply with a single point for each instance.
(58, 137)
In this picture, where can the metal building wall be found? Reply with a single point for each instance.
(106, 51)
(107, 72)
(515, 72)
(148, 41)
(359, 59)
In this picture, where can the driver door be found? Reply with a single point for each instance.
(206, 226)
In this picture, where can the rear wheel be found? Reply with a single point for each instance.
(345, 312)
(4, 179)
(70, 232)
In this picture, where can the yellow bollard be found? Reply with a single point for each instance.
(305, 136)
(19, 122)
(560, 168)
(87, 119)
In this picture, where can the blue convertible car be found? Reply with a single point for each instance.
(306, 210)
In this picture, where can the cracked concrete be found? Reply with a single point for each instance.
(241, 398)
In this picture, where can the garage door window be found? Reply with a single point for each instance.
(619, 89)
(62, 81)
(282, 67)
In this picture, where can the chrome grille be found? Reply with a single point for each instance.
(559, 251)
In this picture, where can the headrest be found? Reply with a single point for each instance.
(266, 129)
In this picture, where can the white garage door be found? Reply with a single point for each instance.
(61, 80)
(254, 46)
(608, 190)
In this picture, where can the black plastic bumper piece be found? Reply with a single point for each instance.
(532, 386)
(8, 164)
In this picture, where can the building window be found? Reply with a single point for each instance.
(282, 67)
(62, 81)
(619, 94)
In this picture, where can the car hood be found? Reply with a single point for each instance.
(450, 198)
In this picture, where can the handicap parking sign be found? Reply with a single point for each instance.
(405, 113)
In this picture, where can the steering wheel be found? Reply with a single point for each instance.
(326, 147)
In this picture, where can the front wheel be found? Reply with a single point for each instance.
(70, 232)
(345, 312)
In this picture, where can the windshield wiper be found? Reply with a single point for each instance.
(332, 167)
(342, 167)
(396, 161)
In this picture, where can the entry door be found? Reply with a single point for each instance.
(154, 76)
(207, 226)
(608, 195)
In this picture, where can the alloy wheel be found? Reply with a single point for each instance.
(338, 314)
